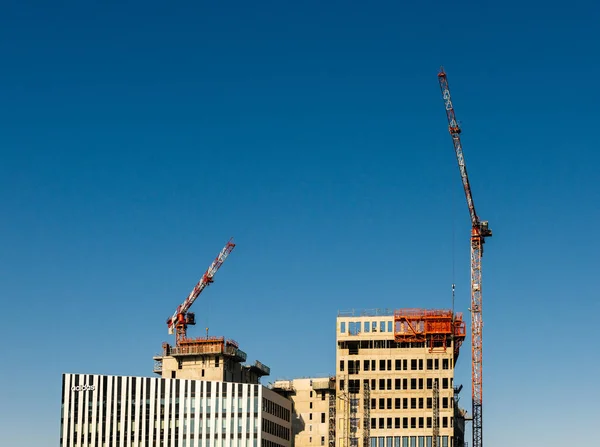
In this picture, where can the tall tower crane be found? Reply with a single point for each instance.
(180, 320)
(479, 232)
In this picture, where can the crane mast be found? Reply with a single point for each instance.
(479, 232)
(182, 318)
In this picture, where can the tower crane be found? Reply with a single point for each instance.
(180, 320)
(479, 232)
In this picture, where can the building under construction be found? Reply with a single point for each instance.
(394, 384)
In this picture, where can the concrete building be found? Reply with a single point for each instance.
(207, 358)
(111, 411)
(313, 409)
(390, 366)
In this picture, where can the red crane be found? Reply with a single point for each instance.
(182, 318)
(479, 232)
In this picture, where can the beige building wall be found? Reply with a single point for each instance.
(310, 409)
(400, 379)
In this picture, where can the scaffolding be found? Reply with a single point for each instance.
(332, 404)
(366, 414)
(435, 328)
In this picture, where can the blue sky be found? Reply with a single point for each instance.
(136, 138)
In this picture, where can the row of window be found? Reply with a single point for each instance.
(414, 403)
(356, 327)
(411, 441)
(408, 423)
(399, 365)
(275, 429)
(310, 417)
(399, 384)
(275, 409)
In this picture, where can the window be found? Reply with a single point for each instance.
(216, 362)
(322, 440)
(381, 422)
(445, 383)
(429, 363)
(372, 365)
(420, 402)
(373, 384)
(322, 418)
(445, 363)
(390, 327)
(420, 383)
(389, 423)
(404, 364)
(397, 404)
(381, 365)
(405, 384)
(382, 404)
(310, 405)
(366, 365)
(342, 327)
(413, 384)
(396, 422)
(389, 365)
(420, 364)
(373, 403)
(413, 403)
(413, 364)
(429, 402)
(382, 384)
(382, 326)
(413, 424)
(445, 402)
(389, 403)
(311, 393)
(322, 396)
(310, 417)
(397, 384)
(436, 363)
(389, 384)
(405, 423)
(341, 365)
(342, 384)
(367, 326)
(420, 422)
(444, 422)
(398, 364)
(429, 384)
(429, 422)
(405, 402)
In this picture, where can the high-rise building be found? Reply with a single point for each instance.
(111, 411)
(395, 373)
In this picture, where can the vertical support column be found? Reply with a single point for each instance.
(366, 415)
(332, 403)
(436, 413)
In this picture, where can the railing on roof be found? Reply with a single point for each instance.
(366, 313)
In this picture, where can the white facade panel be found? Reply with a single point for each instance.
(118, 411)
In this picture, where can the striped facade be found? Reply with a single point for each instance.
(123, 411)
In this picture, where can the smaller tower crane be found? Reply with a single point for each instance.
(180, 320)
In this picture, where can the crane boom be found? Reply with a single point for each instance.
(178, 321)
(479, 231)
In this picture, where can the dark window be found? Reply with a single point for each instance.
(397, 383)
(381, 365)
(341, 365)
(413, 364)
(398, 364)
(397, 403)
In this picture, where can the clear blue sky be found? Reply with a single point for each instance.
(136, 138)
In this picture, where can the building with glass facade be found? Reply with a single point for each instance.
(112, 411)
